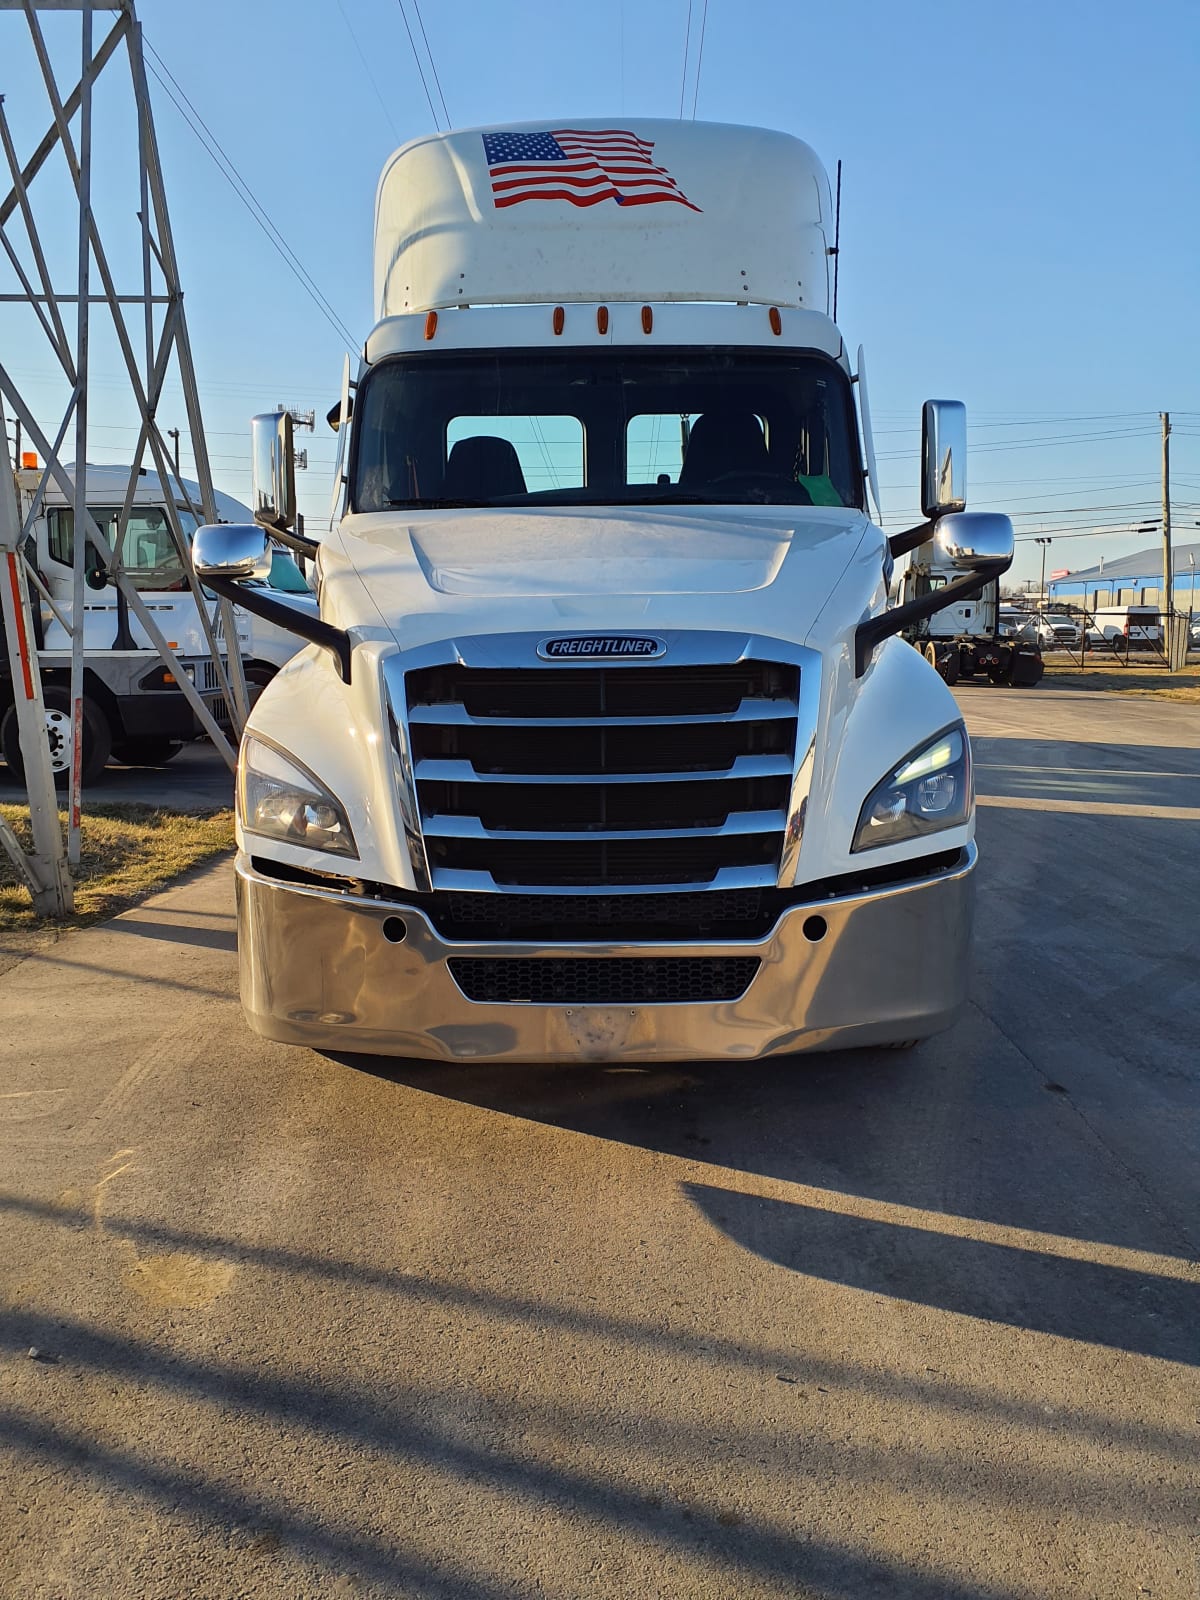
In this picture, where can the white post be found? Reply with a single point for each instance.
(79, 559)
(45, 871)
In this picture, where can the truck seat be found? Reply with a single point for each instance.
(723, 442)
(482, 468)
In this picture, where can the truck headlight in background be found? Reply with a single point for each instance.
(281, 799)
(929, 791)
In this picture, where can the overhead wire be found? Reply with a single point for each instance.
(229, 171)
(699, 58)
(367, 69)
(433, 64)
(420, 66)
(687, 40)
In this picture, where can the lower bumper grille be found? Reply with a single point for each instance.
(653, 980)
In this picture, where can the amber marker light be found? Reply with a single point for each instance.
(560, 319)
(776, 320)
(29, 459)
(647, 319)
(430, 324)
(602, 319)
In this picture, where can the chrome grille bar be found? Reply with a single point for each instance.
(604, 777)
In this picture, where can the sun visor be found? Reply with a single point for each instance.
(650, 210)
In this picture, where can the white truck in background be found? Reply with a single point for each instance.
(969, 638)
(132, 709)
(606, 744)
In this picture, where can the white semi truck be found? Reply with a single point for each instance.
(606, 744)
(132, 708)
(966, 639)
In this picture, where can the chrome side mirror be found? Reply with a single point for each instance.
(969, 540)
(234, 550)
(943, 457)
(274, 466)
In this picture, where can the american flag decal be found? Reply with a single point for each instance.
(580, 167)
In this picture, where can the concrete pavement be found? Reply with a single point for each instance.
(922, 1326)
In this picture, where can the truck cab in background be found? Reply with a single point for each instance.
(606, 744)
(973, 636)
(133, 710)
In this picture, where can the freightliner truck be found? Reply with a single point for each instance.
(607, 744)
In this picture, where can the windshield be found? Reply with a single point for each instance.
(606, 427)
(149, 555)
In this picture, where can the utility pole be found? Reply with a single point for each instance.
(1042, 587)
(173, 435)
(1167, 606)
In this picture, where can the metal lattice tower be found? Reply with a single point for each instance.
(151, 333)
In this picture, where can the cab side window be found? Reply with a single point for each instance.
(60, 528)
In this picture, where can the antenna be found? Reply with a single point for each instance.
(836, 252)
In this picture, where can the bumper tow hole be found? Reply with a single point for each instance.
(395, 930)
(815, 929)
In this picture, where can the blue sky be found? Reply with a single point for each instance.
(1020, 225)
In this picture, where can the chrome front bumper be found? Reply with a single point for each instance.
(317, 970)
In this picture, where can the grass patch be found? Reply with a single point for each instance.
(127, 851)
(1150, 679)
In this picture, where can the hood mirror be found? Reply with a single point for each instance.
(234, 550)
(974, 540)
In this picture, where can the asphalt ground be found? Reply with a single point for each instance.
(922, 1326)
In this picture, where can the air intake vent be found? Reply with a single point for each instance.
(585, 778)
(653, 980)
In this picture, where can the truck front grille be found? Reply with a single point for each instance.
(637, 980)
(595, 777)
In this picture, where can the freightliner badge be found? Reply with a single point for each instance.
(606, 646)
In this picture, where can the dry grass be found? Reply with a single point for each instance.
(1149, 680)
(127, 852)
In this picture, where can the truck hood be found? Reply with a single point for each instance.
(767, 569)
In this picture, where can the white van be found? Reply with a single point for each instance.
(1127, 627)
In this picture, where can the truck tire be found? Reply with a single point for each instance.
(948, 665)
(1027, 670)
(97, 738)
(258, 676)
(148, 752)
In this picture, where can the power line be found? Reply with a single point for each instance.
(700, 58)
(367, 69)
(432, 62)
(687, 39)
(228, 170)
(420, 66)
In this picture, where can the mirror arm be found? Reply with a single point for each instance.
(299, 542)
(335, 640)
(872, 632)
(901, 543)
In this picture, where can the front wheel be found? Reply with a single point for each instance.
(97, 738)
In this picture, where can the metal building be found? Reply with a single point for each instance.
(1134, 580)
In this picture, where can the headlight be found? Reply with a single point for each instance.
(281, 799)
(930, 790)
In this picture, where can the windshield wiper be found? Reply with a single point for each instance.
(436, 504)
